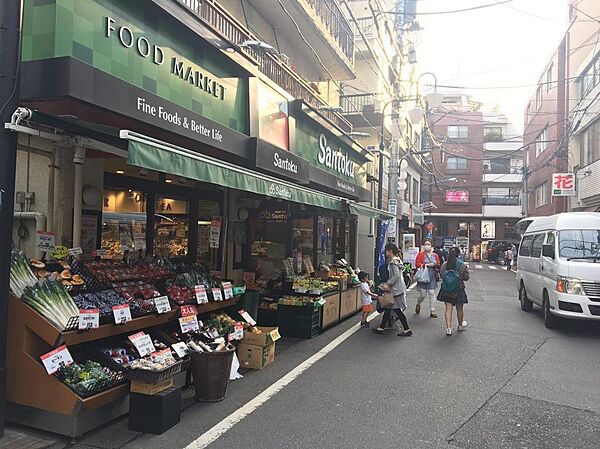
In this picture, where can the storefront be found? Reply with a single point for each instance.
(174, 201)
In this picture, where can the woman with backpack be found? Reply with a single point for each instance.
(396, 286)
(454, 273)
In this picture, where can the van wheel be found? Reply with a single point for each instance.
(550, 321)
(526, 304)
(500, 260)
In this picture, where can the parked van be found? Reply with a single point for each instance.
(559, 267)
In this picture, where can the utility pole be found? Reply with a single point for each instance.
(10, 28)
(525, 194)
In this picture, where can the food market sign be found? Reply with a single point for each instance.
(563, 184)
(136, 60)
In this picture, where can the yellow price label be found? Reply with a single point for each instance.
(60, 252)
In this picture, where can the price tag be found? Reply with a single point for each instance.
(189, 324)
(60, 252)
(275, 334)
(246, 316)
(201, 295)
(100, 252)
(45, 241)
(181, 349)
(56, 359)
(162, 304)
(143, 343)
(227, 289)
(75, 251)
(217, 294)
(188, 311)
(300, 290)
(89, 319)
(238, 331)
(316, 292)
(122, 313)
(321, 302)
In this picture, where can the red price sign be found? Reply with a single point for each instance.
(188, 311)
(56, 359)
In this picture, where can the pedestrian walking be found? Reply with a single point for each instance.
(509, 255)
(454, 273)
(366, 297)
(440, 253)
(396, 287)
(428, 263)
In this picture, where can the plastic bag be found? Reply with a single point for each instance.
(235, 365)
(422, 276)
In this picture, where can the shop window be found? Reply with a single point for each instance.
(269, 237)
(325, 240)
(123, 222)
(303, 236)
(171, 227)
(206, 254)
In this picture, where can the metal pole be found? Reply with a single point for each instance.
(10, 26)
(378, 241)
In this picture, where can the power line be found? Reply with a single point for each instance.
(429, 13)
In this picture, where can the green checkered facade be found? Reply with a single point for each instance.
(307, 147)
(77, 29)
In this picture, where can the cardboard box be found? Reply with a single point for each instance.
(256, 357)
(269, 335)
(139, 386)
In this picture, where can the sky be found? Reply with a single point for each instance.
(501, 45)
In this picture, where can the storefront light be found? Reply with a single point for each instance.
(120, 172)
(203, 223)
(168, 180)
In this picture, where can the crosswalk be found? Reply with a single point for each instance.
(473, 266)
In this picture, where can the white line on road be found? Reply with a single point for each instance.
(211, 435)
(492, 268)
(479, 267)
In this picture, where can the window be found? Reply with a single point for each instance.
(541, 194)
(541, 142)
(549, 78)
(457, 163)
(590, 145)
(493, 134)
(538, 97)
(415, 191)
(590, 78)
(528, 113)
(551, 240)
(458, 131)
(516, 165)
(525, 249)
(580, 243)
(536, 248)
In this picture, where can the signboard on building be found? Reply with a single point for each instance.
(563, 184)
(418, 215)
(457, 196)
(392, 228)
(488, 229)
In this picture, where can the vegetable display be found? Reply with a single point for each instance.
(51, 300)
(21, 275)
(88, 378)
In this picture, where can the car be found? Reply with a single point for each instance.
(559, 267)
(496, 249)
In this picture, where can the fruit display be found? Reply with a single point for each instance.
(105, 300)
(299, 301)
(111, 271)
(310, 285)
(89, 377)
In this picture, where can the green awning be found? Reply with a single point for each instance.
(153, 154)
(369, 212)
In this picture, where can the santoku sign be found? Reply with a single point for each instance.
(335, 159)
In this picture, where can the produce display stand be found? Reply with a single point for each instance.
(38, 400)
(331, 309)
(349, 302)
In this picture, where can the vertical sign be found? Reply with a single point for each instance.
(563, 184)
(392, 226)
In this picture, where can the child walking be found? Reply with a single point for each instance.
(366, 296)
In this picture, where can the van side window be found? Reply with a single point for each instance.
(551, 239)
(536, 248)
(525, 249)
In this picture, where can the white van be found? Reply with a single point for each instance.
(558, 267)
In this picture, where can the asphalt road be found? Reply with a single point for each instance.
(506, 382)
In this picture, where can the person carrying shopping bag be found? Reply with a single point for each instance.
(397, 289)
(427, 263)
(454, 273)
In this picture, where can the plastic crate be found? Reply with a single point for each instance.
(299, 331)
(298, 316)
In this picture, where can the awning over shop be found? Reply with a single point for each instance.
(153, 154)
(368, 211)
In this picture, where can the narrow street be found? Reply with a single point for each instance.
(505, 382)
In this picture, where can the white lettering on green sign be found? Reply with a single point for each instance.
(184, 71)
(335, 160)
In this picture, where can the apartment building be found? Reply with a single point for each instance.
(475, 186)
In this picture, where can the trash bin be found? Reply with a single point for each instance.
(210, 371)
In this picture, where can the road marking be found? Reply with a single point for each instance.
(492, 268)
(211, 435)
(480, 267)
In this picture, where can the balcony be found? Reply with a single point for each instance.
(324, 28)
(510, 144)
(503, 178)
(362, 110)
(223, 23)
(588, 186)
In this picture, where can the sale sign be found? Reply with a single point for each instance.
(563, 184)
(188, 311)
